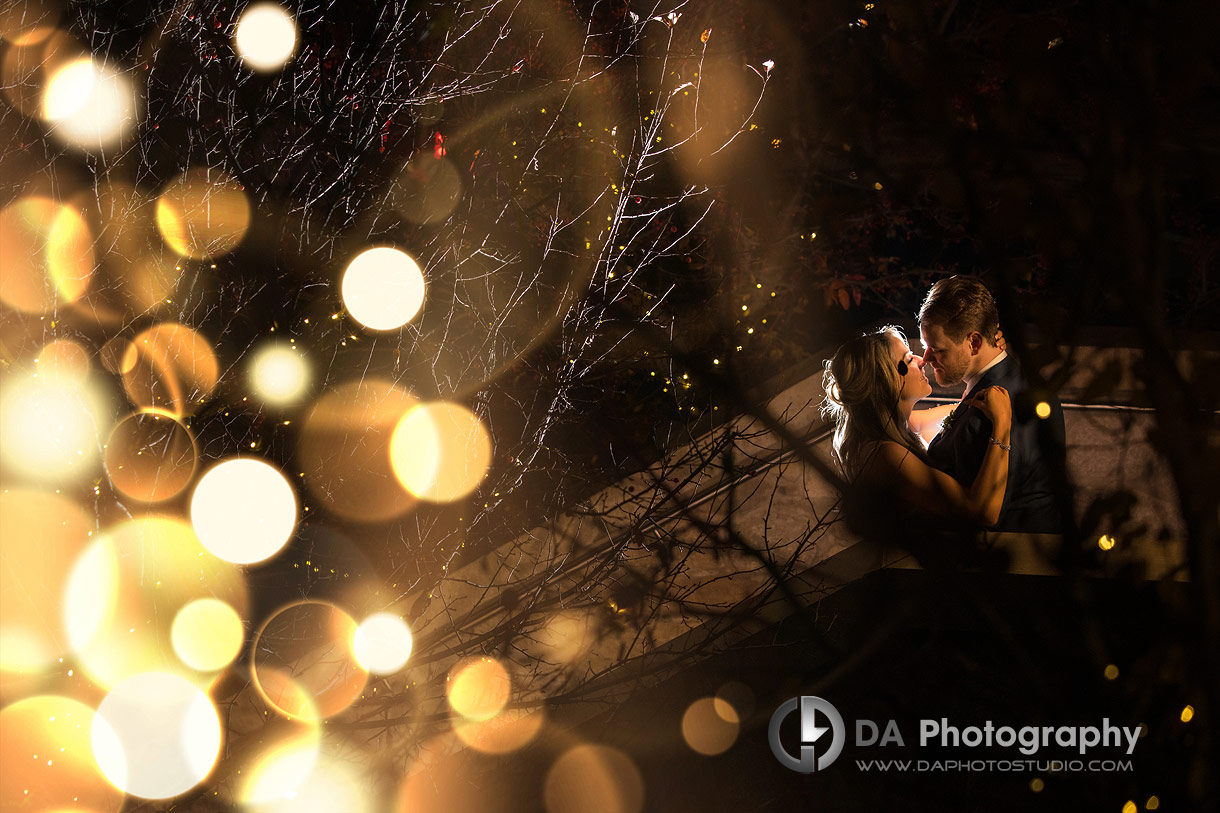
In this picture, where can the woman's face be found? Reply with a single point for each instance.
(910, 370)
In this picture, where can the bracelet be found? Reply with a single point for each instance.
(1005, 446)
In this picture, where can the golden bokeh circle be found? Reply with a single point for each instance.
(428, 189)
(46, 255)
(344, 450)
(277, 773)
(303, 664)
(202, 214)
(46, 758)
(710, 726)
(478, 688)
(567, 635)
(150, 456)
(439, 779)
(440, 451)
(508, 731)
(169, 367)
(326, 784)
(594, 777)
(41, 534)
(207, 634)
(126, 588)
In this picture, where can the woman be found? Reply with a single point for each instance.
(872, 385)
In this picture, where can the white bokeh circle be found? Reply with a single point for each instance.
(383, 288)
(266, 37)
(243, 510)
(156, 735)
(382, 643)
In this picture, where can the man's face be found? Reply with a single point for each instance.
(950, 360)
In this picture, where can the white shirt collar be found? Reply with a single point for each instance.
(971, 380)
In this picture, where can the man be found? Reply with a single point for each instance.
(960, 328)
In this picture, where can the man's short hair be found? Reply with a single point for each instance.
(961, 305)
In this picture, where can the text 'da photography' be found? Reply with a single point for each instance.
(609, 406)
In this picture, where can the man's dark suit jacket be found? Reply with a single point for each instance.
(1030, 501)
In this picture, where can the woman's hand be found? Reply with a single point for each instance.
(995, 404)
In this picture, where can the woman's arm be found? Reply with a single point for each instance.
(897, 468)
(926, 422)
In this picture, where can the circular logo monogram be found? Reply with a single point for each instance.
(816, 753)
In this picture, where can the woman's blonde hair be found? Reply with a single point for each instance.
(862, 387)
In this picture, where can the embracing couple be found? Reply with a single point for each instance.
(990, 465)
